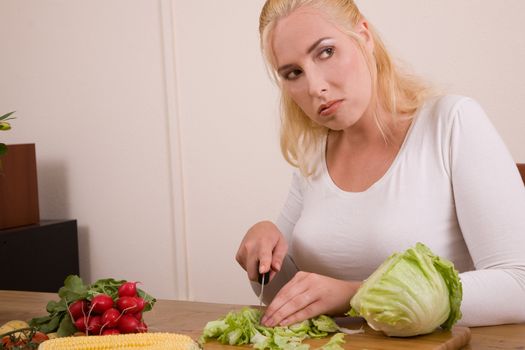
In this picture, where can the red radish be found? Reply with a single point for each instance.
(137, 315)
(141, 303)
(127, 304)
(94, 325)
(101, 303)
(142, 328)
(110, 317)
(127, 289)
(80, 324)
(110, 331)
(128, 324)
(79, 308)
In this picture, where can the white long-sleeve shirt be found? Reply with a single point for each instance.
(453, 186)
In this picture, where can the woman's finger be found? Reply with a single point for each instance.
(308, 295)
(252, 267)
(292, 297)
(279, 252)
(309, 311)
(299, 305)
(257, 249)
(265, 257)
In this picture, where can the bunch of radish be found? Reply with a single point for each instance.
(103, 315)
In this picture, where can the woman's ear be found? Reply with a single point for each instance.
(363, 30)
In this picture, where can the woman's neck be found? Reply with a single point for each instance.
(358, 157)
(366, 132)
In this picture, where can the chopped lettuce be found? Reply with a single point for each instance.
(411, 293)
(335, 343)
(325, 324)
(243, 327)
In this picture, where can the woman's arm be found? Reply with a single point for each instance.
(268, 243)
(490, 205)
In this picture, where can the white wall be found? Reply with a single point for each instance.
(233, 171)
(160, 156)
(469, 47)
(88, 84)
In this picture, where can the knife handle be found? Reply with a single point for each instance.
(266, 277)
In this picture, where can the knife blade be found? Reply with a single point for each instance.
(264, 278)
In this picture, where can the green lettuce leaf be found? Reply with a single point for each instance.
(335, 343)
(325, 323)
(243, 327)
(411, 293)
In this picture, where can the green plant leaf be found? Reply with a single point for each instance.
(150, 301)
(56, 306)
(107, 286)
(3, 149)
(66, 327)
(37, 321)
(73, 289)
(46, 324)
(6, 116)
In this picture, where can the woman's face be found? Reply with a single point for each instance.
(322, 69)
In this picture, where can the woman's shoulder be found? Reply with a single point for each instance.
(442, 111)
(440, 116)
(447, 104)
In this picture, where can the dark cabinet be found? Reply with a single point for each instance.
(38, 257)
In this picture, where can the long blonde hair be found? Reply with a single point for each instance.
(398, 92)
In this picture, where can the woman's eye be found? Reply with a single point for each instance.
(327, 52)
(293, 74)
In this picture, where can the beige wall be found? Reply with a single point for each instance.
(156, 125)
(467, 47)
(88, 83)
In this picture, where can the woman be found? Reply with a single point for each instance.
(382, 164)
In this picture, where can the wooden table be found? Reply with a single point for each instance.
(190, 317)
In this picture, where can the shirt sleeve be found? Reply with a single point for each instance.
(490, 205)
(285, 223)
(292, 207)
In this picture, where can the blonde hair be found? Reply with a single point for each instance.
(398, 92)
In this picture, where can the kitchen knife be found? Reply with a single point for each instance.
(264, 278)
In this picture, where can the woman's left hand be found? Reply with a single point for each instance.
(308, 295)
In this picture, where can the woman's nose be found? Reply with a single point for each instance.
(317, 85)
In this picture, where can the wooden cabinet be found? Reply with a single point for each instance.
(38, 257)
(18, 187)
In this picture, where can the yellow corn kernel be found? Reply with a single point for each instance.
(142, 341)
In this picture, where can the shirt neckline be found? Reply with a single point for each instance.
(328, 179)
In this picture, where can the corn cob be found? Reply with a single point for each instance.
(137, 341)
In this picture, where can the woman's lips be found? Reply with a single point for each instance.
(329, 108)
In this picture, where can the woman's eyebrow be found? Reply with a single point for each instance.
(314, 45)
(310, 49)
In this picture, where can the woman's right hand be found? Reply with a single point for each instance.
(262, 249)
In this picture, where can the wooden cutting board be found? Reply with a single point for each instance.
(373, 340)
